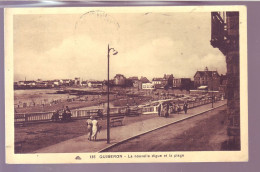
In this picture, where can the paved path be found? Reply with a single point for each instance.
(118, 134)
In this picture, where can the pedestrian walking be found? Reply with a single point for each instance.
(95, 129)
(89, 127)
(185, 107)
(178, 109)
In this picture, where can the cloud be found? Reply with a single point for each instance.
(84, 58)
(165, 56)
(149, 46)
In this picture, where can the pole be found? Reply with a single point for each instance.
(108, 113)
(212, 93)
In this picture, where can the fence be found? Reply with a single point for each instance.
(32, 117)
(154, 109)
(23, 118)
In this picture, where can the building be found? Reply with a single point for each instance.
(132, 81)
(84, 83)
(182, 83)
(95, 84)
(26, 83)
(225, 37)
(51, 83)
(42, 84)
(66, 82)
(159, 82)
(56, 82)
(168, 80)
(30, 83)
(141, 81)
(135, 81)
(148, 86)
(77, 81)
(223, 85)
(119, 80)
(20, 83)
(207, 78)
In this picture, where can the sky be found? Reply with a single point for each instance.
(65, 46)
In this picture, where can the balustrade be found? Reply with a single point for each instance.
(86, 113)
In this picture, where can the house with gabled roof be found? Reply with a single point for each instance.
(211, 79)
(119, 80)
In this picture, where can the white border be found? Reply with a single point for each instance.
(194, 156)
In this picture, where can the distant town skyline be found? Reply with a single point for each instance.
(111, 77)
(149, 44)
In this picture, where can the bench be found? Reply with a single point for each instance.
(98, 113)
(132, 112)
(116, 120)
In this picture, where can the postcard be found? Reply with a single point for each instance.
(126, 84)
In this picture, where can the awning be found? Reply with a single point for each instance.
(202, 87)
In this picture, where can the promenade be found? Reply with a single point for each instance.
(122, 133)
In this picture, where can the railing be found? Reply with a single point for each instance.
(154, 109)
(149, 109)
(85, 113)
(32, 117)
(23, 118)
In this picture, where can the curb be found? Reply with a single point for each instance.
(125, 140)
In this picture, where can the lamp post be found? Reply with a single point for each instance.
(108, 113)
(212, 93)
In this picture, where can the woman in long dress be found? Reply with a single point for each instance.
(89, 127)
(95, 127)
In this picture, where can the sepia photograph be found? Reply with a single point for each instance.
(126, 84)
